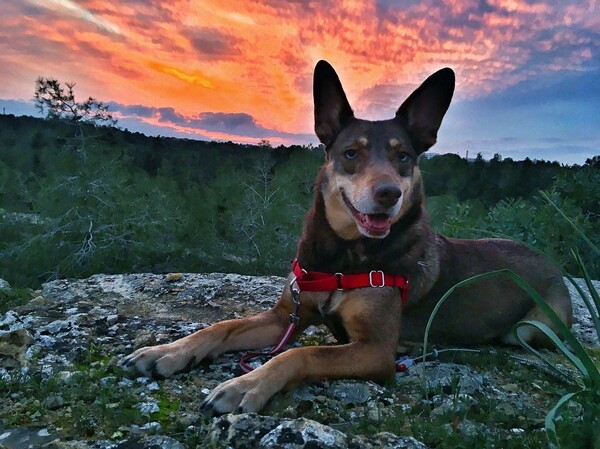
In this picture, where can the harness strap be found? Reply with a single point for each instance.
(314, 281)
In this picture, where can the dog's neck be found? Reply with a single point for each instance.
(321, 249)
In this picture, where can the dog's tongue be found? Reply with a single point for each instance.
(376, 224)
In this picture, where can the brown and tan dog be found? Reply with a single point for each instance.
(369, 214)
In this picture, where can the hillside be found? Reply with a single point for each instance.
(111, 201)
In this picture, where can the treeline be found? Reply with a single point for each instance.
(84, 200)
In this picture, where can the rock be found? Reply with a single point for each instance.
(36, 303)
(583, 326)
(173, 277)
(4, 284)
(303, 433)
(385, 440)
(445, 377)
(351, 392)
(150, 442)
(240, 431)
(25, 437)
(59, 444)
(53, 402)
(149, 407)
(13, 348)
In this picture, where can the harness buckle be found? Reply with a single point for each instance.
(380, 285)
(338, 277)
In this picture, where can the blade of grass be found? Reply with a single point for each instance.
(588, 282)
(557, 342)
(564, 331)
(549, 425)
(446, 295)
(583, 294)
(573, 225)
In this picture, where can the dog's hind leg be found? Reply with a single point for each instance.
(252, 332)
(558, 298)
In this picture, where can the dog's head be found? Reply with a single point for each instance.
(371, 166)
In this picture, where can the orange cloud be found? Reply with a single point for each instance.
(192, 79)
(258, 58)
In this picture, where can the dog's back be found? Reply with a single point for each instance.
(486, 311)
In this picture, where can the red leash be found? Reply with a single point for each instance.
(291, 327)
(314, 281)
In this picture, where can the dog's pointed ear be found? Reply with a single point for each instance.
(332, 110)
(423, 111)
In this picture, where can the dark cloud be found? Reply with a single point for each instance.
(237, 124)
(213, 43)
(168, 115)
(132, 109)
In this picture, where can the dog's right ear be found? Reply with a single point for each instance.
(332, 110)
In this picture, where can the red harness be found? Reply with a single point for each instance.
(314, 281)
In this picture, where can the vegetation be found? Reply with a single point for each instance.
(587, 372)
(98, 199)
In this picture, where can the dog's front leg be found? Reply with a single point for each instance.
(252, 332)
(249, 393)
(372, 322)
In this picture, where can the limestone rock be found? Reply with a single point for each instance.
(13, 348)
(303, 434)
(78, 329)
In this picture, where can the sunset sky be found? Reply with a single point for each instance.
(528, 72)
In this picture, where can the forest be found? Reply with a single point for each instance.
(86, 199)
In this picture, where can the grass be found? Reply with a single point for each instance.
(13, 297)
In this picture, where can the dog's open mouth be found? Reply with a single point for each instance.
(371, 225)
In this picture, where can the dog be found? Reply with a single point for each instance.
(368, 219)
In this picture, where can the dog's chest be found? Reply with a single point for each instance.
(329, 310)
(331, 304)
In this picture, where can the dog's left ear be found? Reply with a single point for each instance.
(332, 110)
(422, 112)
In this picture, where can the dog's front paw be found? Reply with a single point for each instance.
(159, 361)
(243, 394)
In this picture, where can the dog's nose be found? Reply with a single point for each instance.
(387, 194)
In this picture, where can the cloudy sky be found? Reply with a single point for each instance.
(528, 72)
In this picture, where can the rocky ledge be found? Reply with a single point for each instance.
(61, 386)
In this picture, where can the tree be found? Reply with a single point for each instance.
(59, 103)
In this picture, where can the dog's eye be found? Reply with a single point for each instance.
(403, 157)
(350, 154)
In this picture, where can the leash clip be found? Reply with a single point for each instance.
(295, 292)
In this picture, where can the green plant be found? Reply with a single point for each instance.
(588, 392)
(13, 297)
